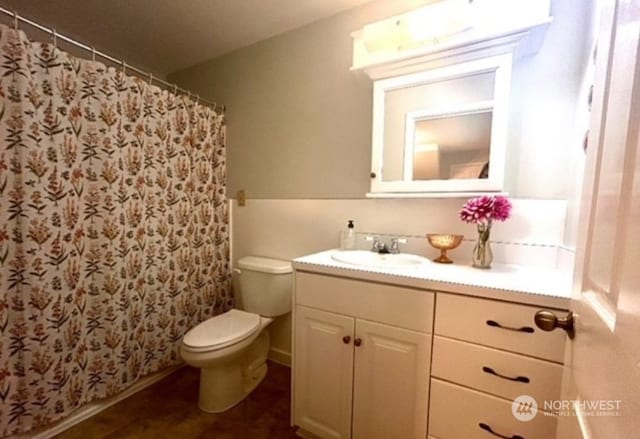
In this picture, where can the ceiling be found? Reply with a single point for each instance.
(163, 36)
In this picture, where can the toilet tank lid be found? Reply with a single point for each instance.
(265, 265)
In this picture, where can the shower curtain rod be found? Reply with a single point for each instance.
(109, 58)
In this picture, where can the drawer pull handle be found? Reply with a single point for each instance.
(527, 329)
(519, 379)
(346, 339)
(357, 342)
(486, 427)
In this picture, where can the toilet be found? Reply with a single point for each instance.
(231, 348)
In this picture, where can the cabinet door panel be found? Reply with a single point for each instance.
(391, 382)
(323, 373)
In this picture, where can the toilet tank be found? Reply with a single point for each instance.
(266, 285)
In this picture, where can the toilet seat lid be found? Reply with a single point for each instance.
(222, 330)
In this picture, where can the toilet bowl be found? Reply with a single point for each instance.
(231, 349)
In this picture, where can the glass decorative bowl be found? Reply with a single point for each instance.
(444, 243)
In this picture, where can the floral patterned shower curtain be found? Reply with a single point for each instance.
(114, 233)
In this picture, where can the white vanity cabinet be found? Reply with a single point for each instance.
(361, 358)
(383, 356)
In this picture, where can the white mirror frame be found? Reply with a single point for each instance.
(501, 65)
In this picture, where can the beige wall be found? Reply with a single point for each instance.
(299, 122)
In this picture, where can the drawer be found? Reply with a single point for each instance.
(393, 305)
(456, 412)
(502, 325)
(497, 372)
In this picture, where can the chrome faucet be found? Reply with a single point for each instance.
(395, 246)
(379, 246)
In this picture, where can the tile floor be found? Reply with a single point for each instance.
(168, 409)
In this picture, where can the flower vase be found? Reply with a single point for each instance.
(482, 254)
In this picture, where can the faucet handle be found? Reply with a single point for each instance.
(395, 244)
(377, 245)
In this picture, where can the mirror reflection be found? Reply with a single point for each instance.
(442, 130)
(439, 109)
(452, 147)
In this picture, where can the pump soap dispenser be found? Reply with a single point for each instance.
(348, 237)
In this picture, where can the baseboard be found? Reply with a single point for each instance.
(280, 356)
(95, 407)
(304, 434)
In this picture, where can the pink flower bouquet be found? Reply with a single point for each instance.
(482, 211)
(485, 209)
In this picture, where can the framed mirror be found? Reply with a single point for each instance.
(441, 130)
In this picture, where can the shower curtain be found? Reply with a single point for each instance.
(114, 236)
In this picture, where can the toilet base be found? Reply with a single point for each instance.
(231, 379)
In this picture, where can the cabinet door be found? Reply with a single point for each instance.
(391, 382)
(323, 373)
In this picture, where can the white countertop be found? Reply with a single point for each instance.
(532, 285)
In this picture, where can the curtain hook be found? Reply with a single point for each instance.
(150, 78)
(124, 67)
(175, 89)
(15, 20)
(55, 38)
(93, 54)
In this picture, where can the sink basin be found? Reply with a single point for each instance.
(364, 258)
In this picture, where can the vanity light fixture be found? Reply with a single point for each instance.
(427, 25)
(449, 31)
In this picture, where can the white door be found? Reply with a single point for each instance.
(603, 360)
(391, 382)
(324, 372)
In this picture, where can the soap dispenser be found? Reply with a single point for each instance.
(348, 237)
